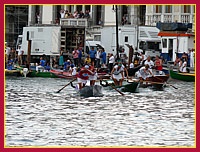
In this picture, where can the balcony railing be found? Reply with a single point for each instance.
(169, 17)
(74, 22)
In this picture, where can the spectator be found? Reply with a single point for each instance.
(62, 13)
(123, 56)
(75, 14)
(66, 14)
(177, 60)
(70, 15)
(81, 14)
(124, 21)
(131, 70)
(55, 62)
(87, 60)
(192, 58)
(20, 54)
(75, 54)
(8, 50)
(98, 54)
(184, 57)
(67, 65)
(103, 56)
(87, 14)
(12, 53)
(111, 61)
(61, 60)
(100, 22)
(42, 62)
(37, 15)
(80, 54)
(47, 67)
(92, 54)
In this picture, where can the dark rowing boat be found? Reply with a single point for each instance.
(126, 87)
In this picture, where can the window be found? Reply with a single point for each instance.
(170, 44)
(126, 39)
(186, 9)
(158, 9)
(164, 43)
(79, 8)
(97, 37)
(168, 9)
(87, 7)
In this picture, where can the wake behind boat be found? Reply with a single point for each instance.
(89, 91)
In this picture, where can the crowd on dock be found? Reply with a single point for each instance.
(95, 60)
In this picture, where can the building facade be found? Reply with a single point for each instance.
(16, 17)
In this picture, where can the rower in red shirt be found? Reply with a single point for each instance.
(83, 76)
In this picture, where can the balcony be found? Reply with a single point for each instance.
(151, 20)
(72, 22)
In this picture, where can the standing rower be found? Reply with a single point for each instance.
(118, 74)
(92, 77)
(83, 76)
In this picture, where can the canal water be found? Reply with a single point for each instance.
(35, 115)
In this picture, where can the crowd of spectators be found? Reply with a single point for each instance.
(77, 14)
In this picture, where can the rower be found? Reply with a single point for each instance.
(83, 76)
(72, 70)
(150, 63)
(117, 74)
(144, 72)
(92, 77)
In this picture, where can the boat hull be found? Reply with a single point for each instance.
(91, 91)
(157, 82)
(126, 87)
(188, 77)
(61, 74)
(129, 87)
(41, 74)
(67, 75)
(12, 73)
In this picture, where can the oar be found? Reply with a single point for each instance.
(66, 85)
(114, 88)
(171, 85)
(145, 81)
(156, 83)
(166, 82)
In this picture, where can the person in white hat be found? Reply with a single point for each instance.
(83, 76)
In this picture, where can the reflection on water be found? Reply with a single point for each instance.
(38, 116)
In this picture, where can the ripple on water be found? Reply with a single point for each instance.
(38, 116)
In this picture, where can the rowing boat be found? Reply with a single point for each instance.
(44, 74)
(12, 72)
(61, 74)
(126, 87)
(189, 77)
(91, 91)
(88, 91)
(67, 74)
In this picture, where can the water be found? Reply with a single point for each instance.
(38, 116)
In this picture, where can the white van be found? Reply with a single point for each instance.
(90, 44)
